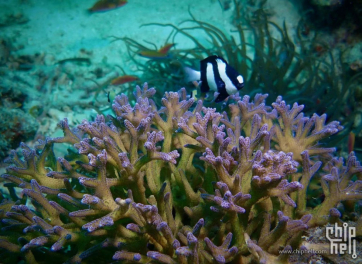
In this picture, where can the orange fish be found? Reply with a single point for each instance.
(105, 5)
(351, 139)
(162, 53)
(124, 79)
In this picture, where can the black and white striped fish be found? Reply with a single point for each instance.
(216, 75)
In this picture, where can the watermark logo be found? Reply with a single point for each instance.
(342, 239)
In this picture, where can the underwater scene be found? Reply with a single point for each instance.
(181, 132)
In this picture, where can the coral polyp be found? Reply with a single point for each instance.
(178, 184)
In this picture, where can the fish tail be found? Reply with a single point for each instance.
(191, 75)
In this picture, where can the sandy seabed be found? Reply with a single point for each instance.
(63, 28)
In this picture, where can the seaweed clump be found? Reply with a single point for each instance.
(178, 184)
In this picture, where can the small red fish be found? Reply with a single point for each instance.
(351, 139)
(162, 53)
(105, 5)
(319, 49)
(124, 79)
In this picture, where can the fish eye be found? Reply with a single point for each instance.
(240, 79)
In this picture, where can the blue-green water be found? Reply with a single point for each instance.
(60, 60)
